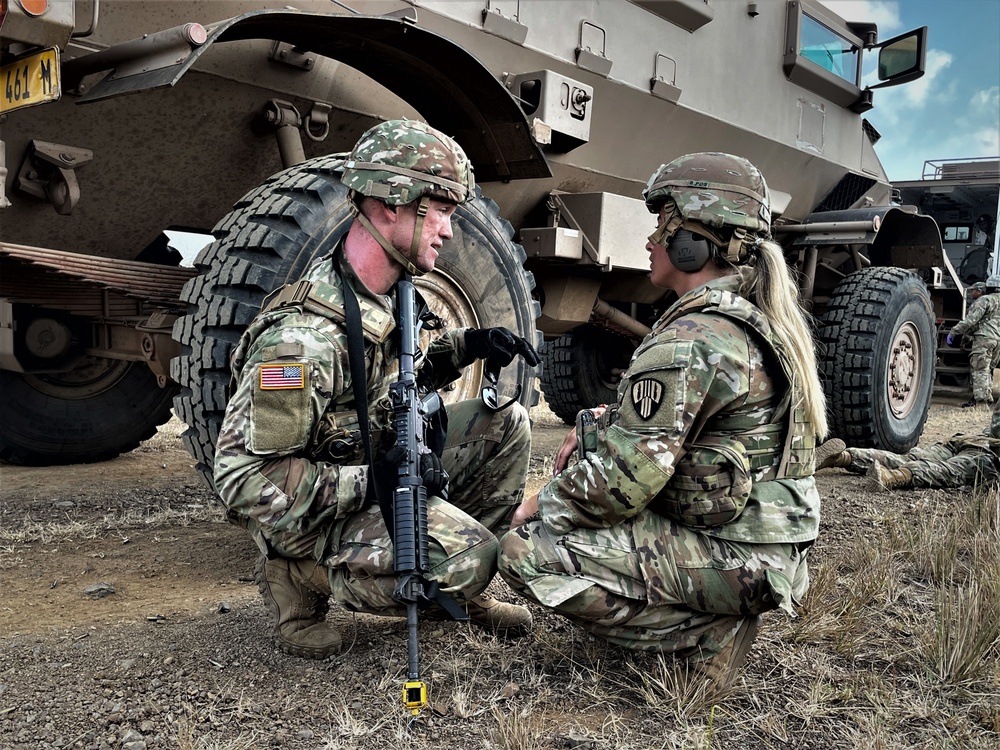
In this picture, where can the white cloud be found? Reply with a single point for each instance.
(970, 144)
(953, 111)
(988, 141)
(885, 14)
(898, 103)
(986, 103)
(918, 91)
(188, 244)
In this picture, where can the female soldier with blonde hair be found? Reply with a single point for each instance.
(693, 503)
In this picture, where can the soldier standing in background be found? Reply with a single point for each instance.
(982, 323)
(693, 503)
(290, 463)
(985, 231)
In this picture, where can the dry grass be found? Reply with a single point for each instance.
(32, 531)
(897, 646)
(963, 644)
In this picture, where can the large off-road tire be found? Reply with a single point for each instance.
(96, 411)
(298, 216)
(582, 368)
(877, 350)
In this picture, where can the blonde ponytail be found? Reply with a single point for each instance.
(769, 284)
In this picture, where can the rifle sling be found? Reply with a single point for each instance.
(359, 382)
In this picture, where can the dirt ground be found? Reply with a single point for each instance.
(128, 619)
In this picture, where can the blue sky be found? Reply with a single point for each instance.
(953, 112)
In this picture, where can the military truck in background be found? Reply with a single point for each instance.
(963, 197)
(158, 116)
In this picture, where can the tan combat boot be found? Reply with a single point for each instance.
(722, 668)
(879, 478)
(510, 620)
(296, 592)
(833, 453)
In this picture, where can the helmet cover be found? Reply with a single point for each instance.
(715, 189)
(400, 161)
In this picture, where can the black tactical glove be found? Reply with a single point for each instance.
(499, 346)
(432, 472)
(434, 476)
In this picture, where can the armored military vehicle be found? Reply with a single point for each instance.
(963, 197)
(156, 116)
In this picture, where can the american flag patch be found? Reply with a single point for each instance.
(280, 377)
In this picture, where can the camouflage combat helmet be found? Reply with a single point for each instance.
(993, 283)
(979, 286)
(709, 191)
(400, 161)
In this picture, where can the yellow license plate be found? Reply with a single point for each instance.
(31, 80)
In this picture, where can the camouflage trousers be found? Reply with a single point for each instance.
(983, 359)
(708, 586)
(947, 465)
(486, 456)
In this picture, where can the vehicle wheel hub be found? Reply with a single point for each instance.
(90, 376)
(904, 370)
(445, 297)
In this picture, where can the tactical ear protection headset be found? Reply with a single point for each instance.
(689, 252)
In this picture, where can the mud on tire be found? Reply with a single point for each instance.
(877, 353)
(272, 236)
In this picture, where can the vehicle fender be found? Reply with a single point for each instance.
(897, 236)
(450, 88)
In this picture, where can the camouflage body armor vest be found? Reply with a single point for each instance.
(336, 437)
(736, 456)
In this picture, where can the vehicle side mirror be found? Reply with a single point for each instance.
(900, 60)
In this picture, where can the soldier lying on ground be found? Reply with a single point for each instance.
(692, 506)
(962, 461)
(290, 465)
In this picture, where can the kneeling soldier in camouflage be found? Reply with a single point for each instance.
(289, 463)
(692, 505)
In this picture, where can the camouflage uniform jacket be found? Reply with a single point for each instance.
(983, 319)
(965, 441)
(286, 464)
(701, 433)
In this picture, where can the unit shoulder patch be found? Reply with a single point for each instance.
(647, 395)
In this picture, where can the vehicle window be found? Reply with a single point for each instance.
(829, 50)
(955, 234)
(822, 53)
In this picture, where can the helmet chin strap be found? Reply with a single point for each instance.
(387, 246)
(418, 227)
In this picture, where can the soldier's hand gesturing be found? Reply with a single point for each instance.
(499, 345)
